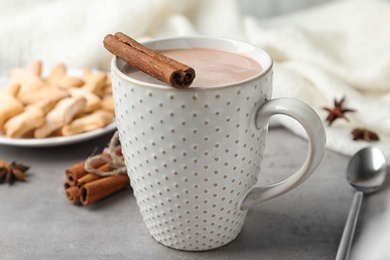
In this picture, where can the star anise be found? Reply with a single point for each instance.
(338, 111)
(12, 171)
(364, 134)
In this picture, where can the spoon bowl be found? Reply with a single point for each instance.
(367, 170)
(366, 173)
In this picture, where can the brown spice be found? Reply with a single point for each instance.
(89, 177)
(12, 171)
(101, 188)
(87, 187)
(338, 111)
(364, 134)
(73, 194)
(76, 171)
(149, 61)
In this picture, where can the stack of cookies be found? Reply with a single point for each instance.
(33, 106)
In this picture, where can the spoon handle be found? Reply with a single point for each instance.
(349, 229)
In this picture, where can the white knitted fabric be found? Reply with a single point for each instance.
(331, 51)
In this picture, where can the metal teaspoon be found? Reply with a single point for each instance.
(366, 173)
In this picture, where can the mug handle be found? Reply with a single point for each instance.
(315, 131)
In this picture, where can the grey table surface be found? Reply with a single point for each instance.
(37, 222)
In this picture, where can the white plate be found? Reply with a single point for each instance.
(57, 141)
(60, 140)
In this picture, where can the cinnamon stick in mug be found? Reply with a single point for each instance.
(149, 61)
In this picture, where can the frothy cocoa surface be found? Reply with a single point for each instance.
(213, 67)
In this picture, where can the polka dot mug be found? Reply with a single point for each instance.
(193, 155)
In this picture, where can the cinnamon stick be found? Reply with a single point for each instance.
(73, 190)
(67, 184)
(90, 177)
(149, 61)
(101, 188)
(73, 194)
(76, 171)
(78, 178)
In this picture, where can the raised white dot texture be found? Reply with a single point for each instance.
(191, 156)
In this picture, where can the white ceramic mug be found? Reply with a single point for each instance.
(193, 155)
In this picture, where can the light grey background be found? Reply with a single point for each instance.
(37, 222)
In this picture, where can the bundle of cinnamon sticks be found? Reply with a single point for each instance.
(83, 187)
